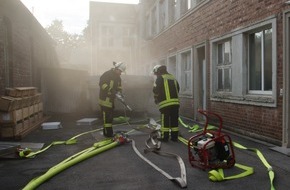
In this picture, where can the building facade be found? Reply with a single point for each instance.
(114, 32)
(25, 47)
(230, 56)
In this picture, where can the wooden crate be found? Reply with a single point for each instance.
(8, 103)
(38, 98)
(40, 107)
(12, 116)
(21, 91)
(33, 118)
(26, 91)
(25, 112)
(26, 124)
(13, 92)
(35, 107)
(31, 110)
(12, 131)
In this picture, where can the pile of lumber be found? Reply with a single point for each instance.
(21, 111)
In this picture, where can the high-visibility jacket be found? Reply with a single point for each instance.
(110, 84)
(166, 90)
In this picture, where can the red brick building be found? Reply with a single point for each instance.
(25, 47)
(230, 56)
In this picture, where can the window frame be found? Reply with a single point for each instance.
(240, 62)
(107, 39)
(162, 15)
(128, 33)
(224, 66)
(172, 65)
(184, 91)
(262, 91)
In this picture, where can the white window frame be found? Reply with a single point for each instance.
(162, 15)
(106, 38)
(183, 73)
(224, 65)
(172, 65)
(128, 34)
(154, 20)
(148, 26)
(172, 11)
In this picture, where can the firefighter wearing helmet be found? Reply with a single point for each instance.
(166, 89)
(110, 85)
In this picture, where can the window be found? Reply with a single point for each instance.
(154, 21)
(147, 26)
(107, 36)
(172, 11)
(260, 61)
(171, 67)
(186, 72)
(189, 4)
(224, 71)
(244, 64)
(128, 34)
(184, 6)
(162, 15)
(194, 3)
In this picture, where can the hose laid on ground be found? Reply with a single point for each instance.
(218, 175)
(27, 153)
(181, 181)
(264, 161)
(97, 148)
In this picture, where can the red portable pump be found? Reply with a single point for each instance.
(211, 149)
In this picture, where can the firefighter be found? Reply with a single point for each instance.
(110, 85)
(166, 89)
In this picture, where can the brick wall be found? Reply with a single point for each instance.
(25, 47)
(214, 19)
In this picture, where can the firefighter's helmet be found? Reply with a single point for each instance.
(120, 65)
(155, 68)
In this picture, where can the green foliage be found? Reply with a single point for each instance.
(63, 38)
(66, 44)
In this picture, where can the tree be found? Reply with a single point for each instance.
(61, 37)
(66, 42)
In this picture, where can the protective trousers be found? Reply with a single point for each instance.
(107, 115)
(169, 123)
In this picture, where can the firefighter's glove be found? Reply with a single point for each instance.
(120, 95)
(111, 95)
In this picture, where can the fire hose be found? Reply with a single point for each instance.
(97, 148)
(217, 175)
(181, 181)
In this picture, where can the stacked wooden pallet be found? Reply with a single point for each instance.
(21, 111)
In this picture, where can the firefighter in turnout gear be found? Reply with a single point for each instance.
(166, 89)
(110, 85)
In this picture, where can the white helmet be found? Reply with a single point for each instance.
(120, 65)
(155, 68)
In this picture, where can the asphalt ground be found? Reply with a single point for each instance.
(121, 168)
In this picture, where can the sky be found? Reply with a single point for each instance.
(73, 13)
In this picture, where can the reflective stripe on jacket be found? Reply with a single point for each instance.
(110, 84)
(166, 90)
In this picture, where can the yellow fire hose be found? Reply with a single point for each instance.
(97, 148)
(218, 175)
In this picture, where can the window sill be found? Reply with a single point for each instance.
(255, 100)
(185, 95)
